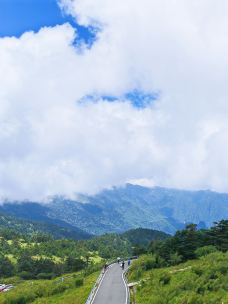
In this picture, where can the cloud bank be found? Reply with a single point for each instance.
(55, 142)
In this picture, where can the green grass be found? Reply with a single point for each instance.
(12, 258)
(203, 281)
(71, 296)
(22, 243)
(54, 258)
(49, 291)
(96, 259)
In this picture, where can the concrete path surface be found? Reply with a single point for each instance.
(113, 289)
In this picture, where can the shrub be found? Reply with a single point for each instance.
(79, 282)
(17, 300)
(197, 270)
(45, 276)
(165, 279)
(20, 298)
(25, 275)
(205, 250)
(175, 259)
(223, 269)
(138, 274)
(59, 289)
(149, 263)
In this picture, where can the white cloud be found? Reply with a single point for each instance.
(52, 144)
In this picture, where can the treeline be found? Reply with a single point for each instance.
(188, 244)
(42, 268)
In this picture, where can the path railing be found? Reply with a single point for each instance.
(93, 291)
(126, 285)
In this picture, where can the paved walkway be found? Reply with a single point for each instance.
(112, 289)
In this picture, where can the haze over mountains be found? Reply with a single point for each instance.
(128, 207)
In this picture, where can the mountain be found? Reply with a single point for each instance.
(128, 207)
(27, 227)
(143, 237)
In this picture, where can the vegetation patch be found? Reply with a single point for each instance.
(189, 268)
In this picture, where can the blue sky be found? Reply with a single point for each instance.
(137, 98)
(19, 16)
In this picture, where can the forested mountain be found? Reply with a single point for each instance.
(142, 236)
(27, 227)
(129, 207)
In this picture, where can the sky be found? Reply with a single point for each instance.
(98, 93)
(20, 16)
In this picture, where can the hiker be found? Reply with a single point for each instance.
(105, 267)
(118, 260)
(123, 265)
(129, 262)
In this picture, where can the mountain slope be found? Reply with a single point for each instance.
(196, 281)
(30, 227)
(143, 237)
(129, 207)
(133, 206)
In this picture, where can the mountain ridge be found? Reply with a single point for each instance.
(132, 206)
(29, 227)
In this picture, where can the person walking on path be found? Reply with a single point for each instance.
(123, 263)
(129, 262)
(105, 267)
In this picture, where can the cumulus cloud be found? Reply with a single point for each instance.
(53, 143)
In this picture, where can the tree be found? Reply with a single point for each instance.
(218, 235)
(25, 263)
(6, 267)
(74, 264)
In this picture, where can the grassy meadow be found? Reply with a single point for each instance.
(74, 288)
(199, 281)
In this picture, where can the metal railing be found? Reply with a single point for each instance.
(126, 282)
(93, 291)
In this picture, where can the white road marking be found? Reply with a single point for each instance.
(101, 282)
(125, 285)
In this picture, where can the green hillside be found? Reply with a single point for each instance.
(71, 289)
(189, 268)
(45, 270)
(203, 281)
(143, 237)
(32, 227)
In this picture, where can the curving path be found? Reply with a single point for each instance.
(113, 289)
